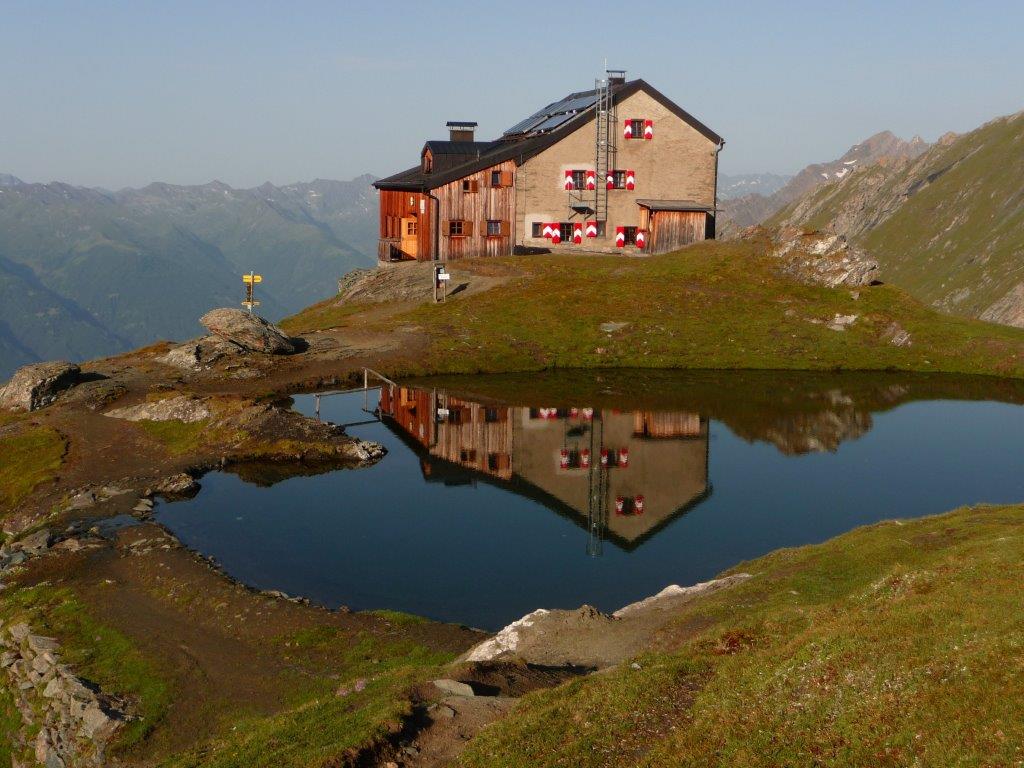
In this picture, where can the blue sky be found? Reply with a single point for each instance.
(117, 94)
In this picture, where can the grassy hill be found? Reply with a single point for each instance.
(947, 226)
(713, 305)
(892, 645)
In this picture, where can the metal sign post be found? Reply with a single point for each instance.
(441, 278)
(250, 280)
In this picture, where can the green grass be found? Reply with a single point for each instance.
(896, 644)
(10, 723)
(321, 728)
(27, 459)
(96, 652)
(177, 437)
(712, 305)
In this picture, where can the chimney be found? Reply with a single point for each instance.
(459, 130)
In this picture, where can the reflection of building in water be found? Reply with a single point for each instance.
(620, 474)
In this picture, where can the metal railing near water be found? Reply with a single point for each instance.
(368, 374)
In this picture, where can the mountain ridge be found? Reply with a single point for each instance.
(947, 225)
(144, 263)
(747, 210)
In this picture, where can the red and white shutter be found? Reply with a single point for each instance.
(630, 180)
(568, 180)
(627, 129)
(609, 180)
(638, 505)
(620, 237)
(591, 180)
(547, 231)
(622, 459)
(577, 233)
(591, 229)
(648, 129)
(641, 238)
(556, 233)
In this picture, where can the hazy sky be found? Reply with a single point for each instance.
(116, 94)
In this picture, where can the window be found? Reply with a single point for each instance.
(500, 179)
(600, 229)
(458, 228)
(410, 227)
(470, 185)
(566, 231)
(630, 235)
(637, 125)
(537, 229)
(579, 179)
(618, 179)
(428, 162)
(494, 228)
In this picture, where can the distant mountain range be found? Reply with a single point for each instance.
(87, 272)
(731, 186)
(737, 212)
(947, 225)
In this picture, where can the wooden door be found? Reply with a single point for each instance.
(409, 236)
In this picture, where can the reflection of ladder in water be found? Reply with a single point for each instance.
(597, 493)
(604, 142)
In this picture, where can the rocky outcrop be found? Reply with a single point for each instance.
(817, 258)
(588, 638)
(1009, 309)
(66, 721)
(200, 353)
(36, 386)
(249, 332)
(182, 408)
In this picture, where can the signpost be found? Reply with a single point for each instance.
(250, 280)
(441, 278)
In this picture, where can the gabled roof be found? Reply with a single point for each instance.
(527, 138)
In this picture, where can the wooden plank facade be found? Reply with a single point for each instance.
(671, 230)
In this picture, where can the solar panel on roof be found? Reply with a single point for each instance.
(554, 121)
(527, 124)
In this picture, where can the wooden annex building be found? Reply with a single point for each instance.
(616, 169)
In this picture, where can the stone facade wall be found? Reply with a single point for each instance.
(677, 164)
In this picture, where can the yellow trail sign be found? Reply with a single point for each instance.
(252, 278)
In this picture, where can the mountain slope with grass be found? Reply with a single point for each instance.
(126, 268)
(947, 226)
(739, 211)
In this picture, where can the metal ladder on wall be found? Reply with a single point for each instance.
(604, 142)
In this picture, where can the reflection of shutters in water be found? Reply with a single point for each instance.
(670, 424)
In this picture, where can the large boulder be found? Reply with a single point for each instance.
(249, 332)
(36, 386)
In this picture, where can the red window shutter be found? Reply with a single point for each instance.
(591, 180)
(648, 129)
(577, 233)
(627, 129)
(506, 178)
(630, 180)
(610, 180)
(467, 228)
(568, 180)
(620, 237)
(591, 229)
(641, 238)
(504, 229)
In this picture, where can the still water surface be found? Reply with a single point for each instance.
(488, 506)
